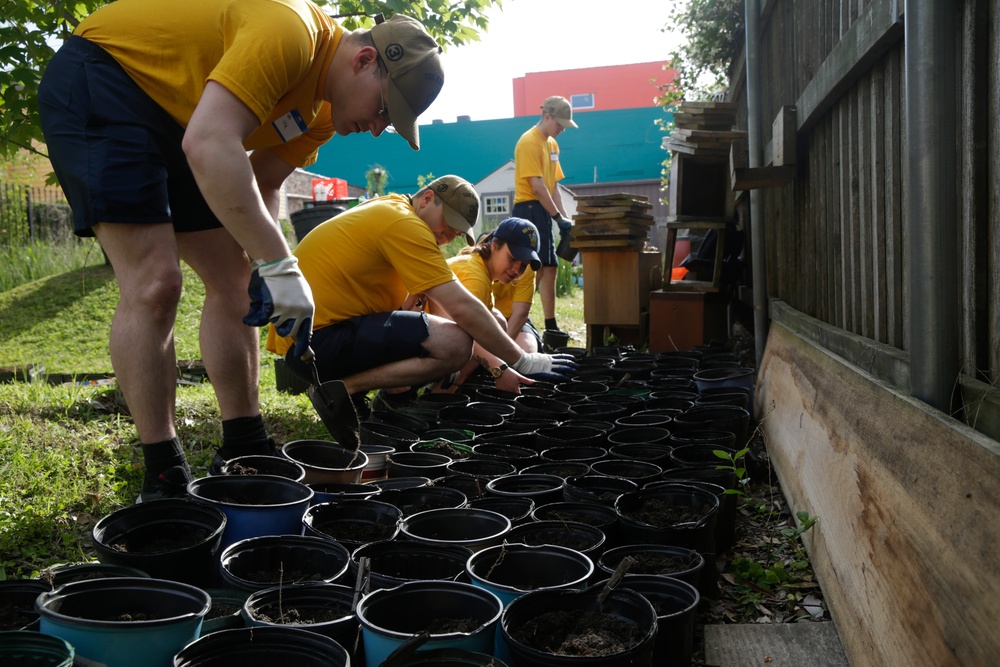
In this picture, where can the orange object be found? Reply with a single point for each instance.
(678, 273)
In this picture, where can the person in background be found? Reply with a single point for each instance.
(371, 268)
(500, 257)
(537, 172)
(171, 127)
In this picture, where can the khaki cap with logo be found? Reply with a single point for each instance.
(413, 60)
(560, 109)
(461, 203)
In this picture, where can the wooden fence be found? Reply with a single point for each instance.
(31, 213)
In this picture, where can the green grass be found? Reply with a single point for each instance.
(68, 453)
(25, 263)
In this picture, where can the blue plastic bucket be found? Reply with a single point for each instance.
(93, 617)
(254, 505)
(391, 616)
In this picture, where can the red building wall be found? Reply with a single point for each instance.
(612, 87)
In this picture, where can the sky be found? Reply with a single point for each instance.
(543, 36)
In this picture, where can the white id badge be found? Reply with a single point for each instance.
(290, 125)
(553, 156)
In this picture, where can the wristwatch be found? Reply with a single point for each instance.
(498, 371)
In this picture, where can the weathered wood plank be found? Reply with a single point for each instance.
(774, 644)
(894, 161)
(876, 204)
(868, 38)
(907, 543)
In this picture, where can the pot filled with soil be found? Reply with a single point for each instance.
(416, 422)
(397, 483)
(567, 435)
(541, 488)
(33, 649)
(494, 450)
(353, 522)
(582, 537)
(259, 464)
(511, 570)
(263, 647)
(326, 462)
(518, 510)
(647, 435)
(600, 489)
(379, 433)
(277, 560)
(484, 469)
(254, 505)
(655, 559)
(580, 453)
(226, 611)
(170, 538)
(472, 528)
(331, 493)
(421, 464)
(472, 486)
(651, 452)
(471, 418)
(317, 607)
(714, 418)
(452, 614)
(399, 562)
(453, 450)
(640, 472)
(422, 498)
(541, 407)
(669, 514)
(17, 603)
(603, 517)
(123, 621)
(676, 605)
(565, 627)
(561, 469)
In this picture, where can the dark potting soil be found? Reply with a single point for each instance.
(562, 540)
(165, 536)
(654, 563)
(591, 520)
(664, 515)
(242, 469)
(291, 615)
(355, 531)
(14, 617)
(279, 577)
(220, 609)
(443, 626)
(578, 633)
(448, 450)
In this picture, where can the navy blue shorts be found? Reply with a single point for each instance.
(536, 213)
(530, 329)
(117, 154)
(362, 343)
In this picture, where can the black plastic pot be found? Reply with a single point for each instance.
(263, 647)
(33, 649)
(326, 462)
(561, 469)
(569, 434)
(602, 517)
(467, 417)
(660, 560)
(66, 573)
(542, 489)
(422, 498)
(529, 614)
(518, 457)
(174, 539)
(259, 464)
(696, 532)
(399, 483)
(421, 464)
(538, 407)
(483, 468)
(465, 526)
(353, 522)
(328, 493)
(399, 561)
(471, 486)
(714, 418)
(511, 570)
(588, 454)
(17, 597)
(676, 604)
(705, 437)
(601, 489)
(518, 510)
(404, 422)
(282, 605)
(582, 537)
(380, 433)
(640, 472)
(273, 560)
(596, 410)
(657, 452)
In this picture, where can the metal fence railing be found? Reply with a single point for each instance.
(32, 213)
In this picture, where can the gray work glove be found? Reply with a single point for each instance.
(280, 294)
(548, 367)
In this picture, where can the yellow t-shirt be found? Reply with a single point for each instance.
(473, 273)
(520, 290)
(535, 155)
(365, 261)
(272, 54)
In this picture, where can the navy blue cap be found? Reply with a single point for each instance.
(521, 237)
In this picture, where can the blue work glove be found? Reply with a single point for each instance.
(280, 294)
(565, 226)
(548, 367)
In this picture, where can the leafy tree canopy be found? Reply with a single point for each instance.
(29, 28)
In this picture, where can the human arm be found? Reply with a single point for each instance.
(518, 318)
(545, 197)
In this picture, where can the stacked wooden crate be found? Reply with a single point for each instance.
(614, 221)
(611, 232)
(704, 128)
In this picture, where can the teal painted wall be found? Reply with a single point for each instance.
(623, 145)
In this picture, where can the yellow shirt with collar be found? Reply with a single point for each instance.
(535, 155)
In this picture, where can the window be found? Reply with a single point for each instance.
(585, 101)
(496, 204)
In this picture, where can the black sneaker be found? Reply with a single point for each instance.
(170, 483)
(222, 454)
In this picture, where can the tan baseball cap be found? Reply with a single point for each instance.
(461, 203)
(413, 61)
(560, 109)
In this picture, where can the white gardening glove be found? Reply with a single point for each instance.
(551, 367)
(280, 294)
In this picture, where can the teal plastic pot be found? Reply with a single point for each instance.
(263, 647)
(454, 614)
(92, 616)
(254, 505)
(32, 649)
